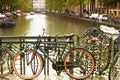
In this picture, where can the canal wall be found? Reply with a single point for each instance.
(95, 22)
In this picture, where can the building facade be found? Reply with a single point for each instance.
(38, 5)
(115, 11)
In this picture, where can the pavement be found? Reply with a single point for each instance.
(53, 76)
(63, 76)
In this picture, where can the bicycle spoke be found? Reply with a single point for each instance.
(25, 70)
(82, 66)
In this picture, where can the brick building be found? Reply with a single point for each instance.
(115, 11)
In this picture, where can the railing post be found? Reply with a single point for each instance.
(1, 56)
(22, 58)
(45, 61)
(46, 69)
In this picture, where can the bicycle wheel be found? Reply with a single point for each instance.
(25, 70)
(6, 62)
(114, 72)
(77, 66)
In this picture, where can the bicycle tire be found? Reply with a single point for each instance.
(85, 65)
(6, 62)
(22, 69)
(114, 71)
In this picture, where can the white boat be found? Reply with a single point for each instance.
(110, 30)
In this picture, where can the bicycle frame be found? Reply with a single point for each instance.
(46, 54)
(55, 43)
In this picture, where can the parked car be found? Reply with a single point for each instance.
(93, 16)
(103, 17)
(2, 15)
(32, 13)
(8, 14)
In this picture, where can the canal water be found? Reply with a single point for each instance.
(54, 25)
(32, 25)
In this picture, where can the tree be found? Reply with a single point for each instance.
(61, 5)
(81, 3)
(15, 4)
(49, 4)
(22, 4)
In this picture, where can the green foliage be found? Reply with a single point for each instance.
(16, 4)
(59, 5)
(63, 4)
(23, 4)
(54, 4)
(84, 1)
(71, 3)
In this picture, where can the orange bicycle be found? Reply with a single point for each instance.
(71, 61)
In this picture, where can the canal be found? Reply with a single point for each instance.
(54, 25)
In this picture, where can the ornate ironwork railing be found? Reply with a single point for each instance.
(99, 44)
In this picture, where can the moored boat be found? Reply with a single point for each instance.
(8, 23)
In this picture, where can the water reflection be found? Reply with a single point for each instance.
(37, 23)
(54, 25)
(65, 25)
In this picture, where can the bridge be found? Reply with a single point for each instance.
(94, 40)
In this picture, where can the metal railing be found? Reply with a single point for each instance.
(94, 40)
(99, 44)
(18, 43)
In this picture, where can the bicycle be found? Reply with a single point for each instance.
(6, 60)
(114, 71)
(71, 61)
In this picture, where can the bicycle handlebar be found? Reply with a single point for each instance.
(40, 38)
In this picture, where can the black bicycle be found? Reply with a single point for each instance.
(6, 61)
(7, 52)
(29, 63)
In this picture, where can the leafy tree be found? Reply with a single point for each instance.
(63, 4)
(82, 2)
(55, 4)
(49, 4)
(16, 4)
(59, 5)
(22, 4)
(72, 3)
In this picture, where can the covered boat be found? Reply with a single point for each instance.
(8, 23)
